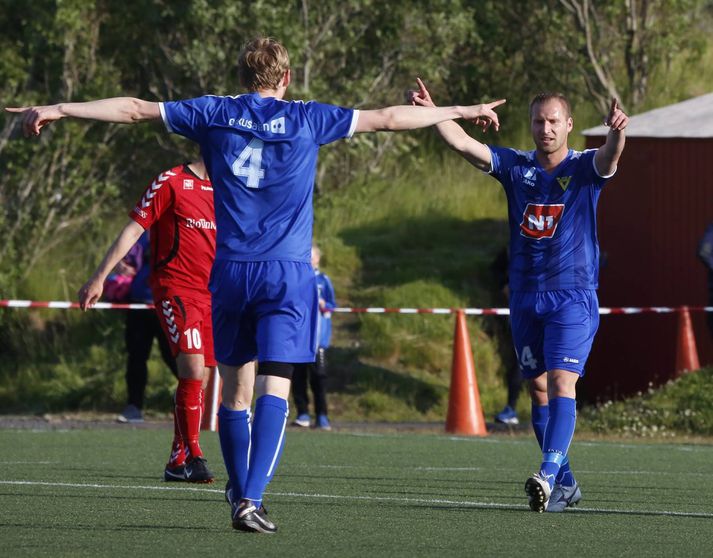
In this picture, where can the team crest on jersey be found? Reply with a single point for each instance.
(188, 184)
(541, 220)
(563, 181)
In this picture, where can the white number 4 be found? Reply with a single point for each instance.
(193, 338)
(527, 358)
(248, 163)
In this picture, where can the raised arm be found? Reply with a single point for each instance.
(473, 151)
(607, 155)
(91, 291)
(122, 110)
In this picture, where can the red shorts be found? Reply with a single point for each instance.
(187, 323)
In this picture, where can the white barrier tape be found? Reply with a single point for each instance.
(61, 304)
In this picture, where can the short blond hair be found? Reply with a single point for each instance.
(262, 64)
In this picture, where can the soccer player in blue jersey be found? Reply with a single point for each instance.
(261, 154)
(552, 195)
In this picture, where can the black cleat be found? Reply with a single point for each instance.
(197, 471)
(173, 474)
(247, 517)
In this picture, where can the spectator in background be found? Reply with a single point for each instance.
(705, 253)
(142, 327)
(316, 371)
(514, 377)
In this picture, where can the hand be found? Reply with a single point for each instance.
(36, 118)
(616, 119)
(421, 97)
(483, 115)
(90, 293)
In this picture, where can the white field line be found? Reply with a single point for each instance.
(422, 501)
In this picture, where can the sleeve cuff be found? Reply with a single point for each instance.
(162, 110)
(353, 125)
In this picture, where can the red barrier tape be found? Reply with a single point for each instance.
(60, 304)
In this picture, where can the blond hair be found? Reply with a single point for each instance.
(262, 64)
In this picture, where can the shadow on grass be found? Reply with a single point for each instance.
(456, 253)
(350, 375)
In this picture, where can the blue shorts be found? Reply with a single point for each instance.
(264, 310)
(553, 330)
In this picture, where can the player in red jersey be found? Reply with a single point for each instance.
(177, 207)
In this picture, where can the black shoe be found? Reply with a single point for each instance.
(172, 474)
(197, 471)
(233, 503)
(247, 517)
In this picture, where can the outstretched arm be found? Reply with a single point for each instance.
(409, 118)
(91, 291)
(607, 155)
(123, 110)
(473, 151)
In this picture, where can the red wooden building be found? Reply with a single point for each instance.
(651, 216)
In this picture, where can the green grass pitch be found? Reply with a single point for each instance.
(99, 493)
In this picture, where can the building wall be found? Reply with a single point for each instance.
(651, 216)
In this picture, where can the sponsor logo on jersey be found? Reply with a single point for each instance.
(206, 188)
(541, 220)
(276, 126)
(563, 181)
(529, 176)
(199, 224)
(140, 212)
(188, 184)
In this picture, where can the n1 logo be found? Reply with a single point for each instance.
(248, 163)
(527, 359)
(541, 220)
(193, 338)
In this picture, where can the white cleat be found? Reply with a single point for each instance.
(538, 492)
(563, 497)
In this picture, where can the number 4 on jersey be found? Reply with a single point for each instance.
(248, 163)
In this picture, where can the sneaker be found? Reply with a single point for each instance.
(564, 496)
(131, 414)
(538, 492)
(323, 423)
(197, 471)
(507, 416)
(174, 473)
(301, 420)
(247, 517)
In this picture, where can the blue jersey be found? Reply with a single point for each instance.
(325, 291)
(261, 155)
(552, 216)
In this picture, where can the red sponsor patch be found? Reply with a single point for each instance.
(540, 221)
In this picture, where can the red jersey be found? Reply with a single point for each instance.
(178, 208)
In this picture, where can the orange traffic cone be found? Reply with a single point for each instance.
(465, 414)
(212, 401)
(686, 352)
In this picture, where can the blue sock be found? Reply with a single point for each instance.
(565, 476)
(234, 434)
(558, 436)
(540, 414)
(267, 442)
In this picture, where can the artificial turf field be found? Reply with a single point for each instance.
(99, 493)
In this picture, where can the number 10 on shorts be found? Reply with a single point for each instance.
(193, 338)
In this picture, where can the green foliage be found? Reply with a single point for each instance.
(414, 227)
(683, 406)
